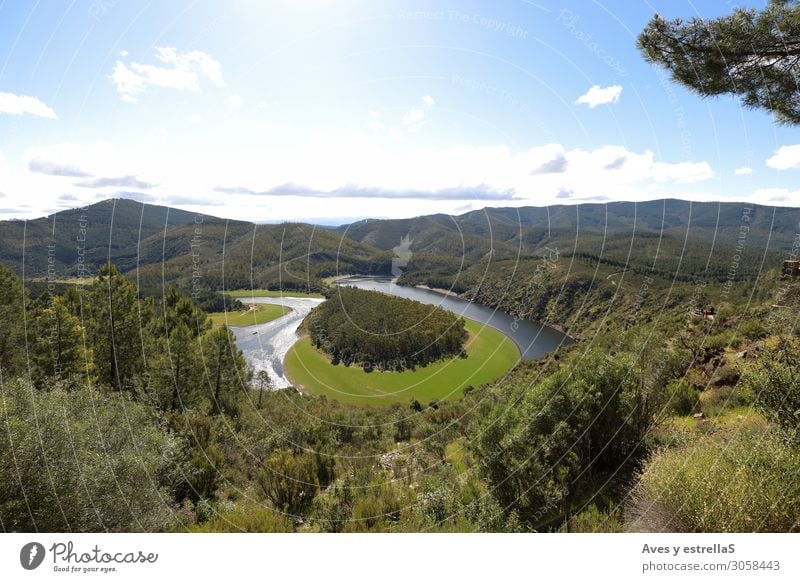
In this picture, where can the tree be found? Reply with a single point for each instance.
(752, 54)
(224, 369)
(57, 344)
(180, 309)
(175, 368)
(11, 318)
(115, 318)
(263, 380)
(175, 371)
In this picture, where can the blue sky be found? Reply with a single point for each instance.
(332, 110)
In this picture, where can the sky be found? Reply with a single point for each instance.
(328, 111)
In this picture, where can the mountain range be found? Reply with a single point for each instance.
(667, 238)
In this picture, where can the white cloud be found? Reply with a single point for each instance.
(235, 101)
(778, 195)
(743, 171)
(367, 176)
(598, 95)
(24, 104)
(428, 101)
(183, 72)
(414, 116)
(785, 158)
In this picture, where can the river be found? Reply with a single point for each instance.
(266, 345)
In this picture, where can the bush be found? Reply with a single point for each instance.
(588, 419)
(683, 397)
(775, 383)
(733, 482)
(246, 516)
(292, 480)
(81, 461)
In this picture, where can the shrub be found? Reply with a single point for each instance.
(775, 383)
(291, 480)
(81, 461)
(683, 397)
(731, 482)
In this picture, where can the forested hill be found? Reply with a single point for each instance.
(673, 239)
(510, 228)
(176, 245)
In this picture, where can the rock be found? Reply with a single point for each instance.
(699, 416)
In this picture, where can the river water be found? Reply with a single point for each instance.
(266, 345)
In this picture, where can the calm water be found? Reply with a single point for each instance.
(534, 339)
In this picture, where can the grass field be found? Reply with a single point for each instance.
(245, 293)
(490, 354)
(260, 313)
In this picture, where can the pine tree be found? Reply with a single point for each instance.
(750, 53)
(225, 370)
(115, 320)
(57, 343)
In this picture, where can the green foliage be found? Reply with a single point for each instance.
(730, 482)
(775, 383)
(490, 354)
(589, 418)
(682, 397)
(57, 343)
(595, 520)
(291, 480)
(115, 320)
(245, 517)
(749, 53)
(376, 330)
(12, 355)
(81, 461)
(225, 372)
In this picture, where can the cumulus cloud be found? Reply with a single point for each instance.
(743, 171)
(25, 105)
(787, 157)
(428, 101)
(179, 71)
(598, 95)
